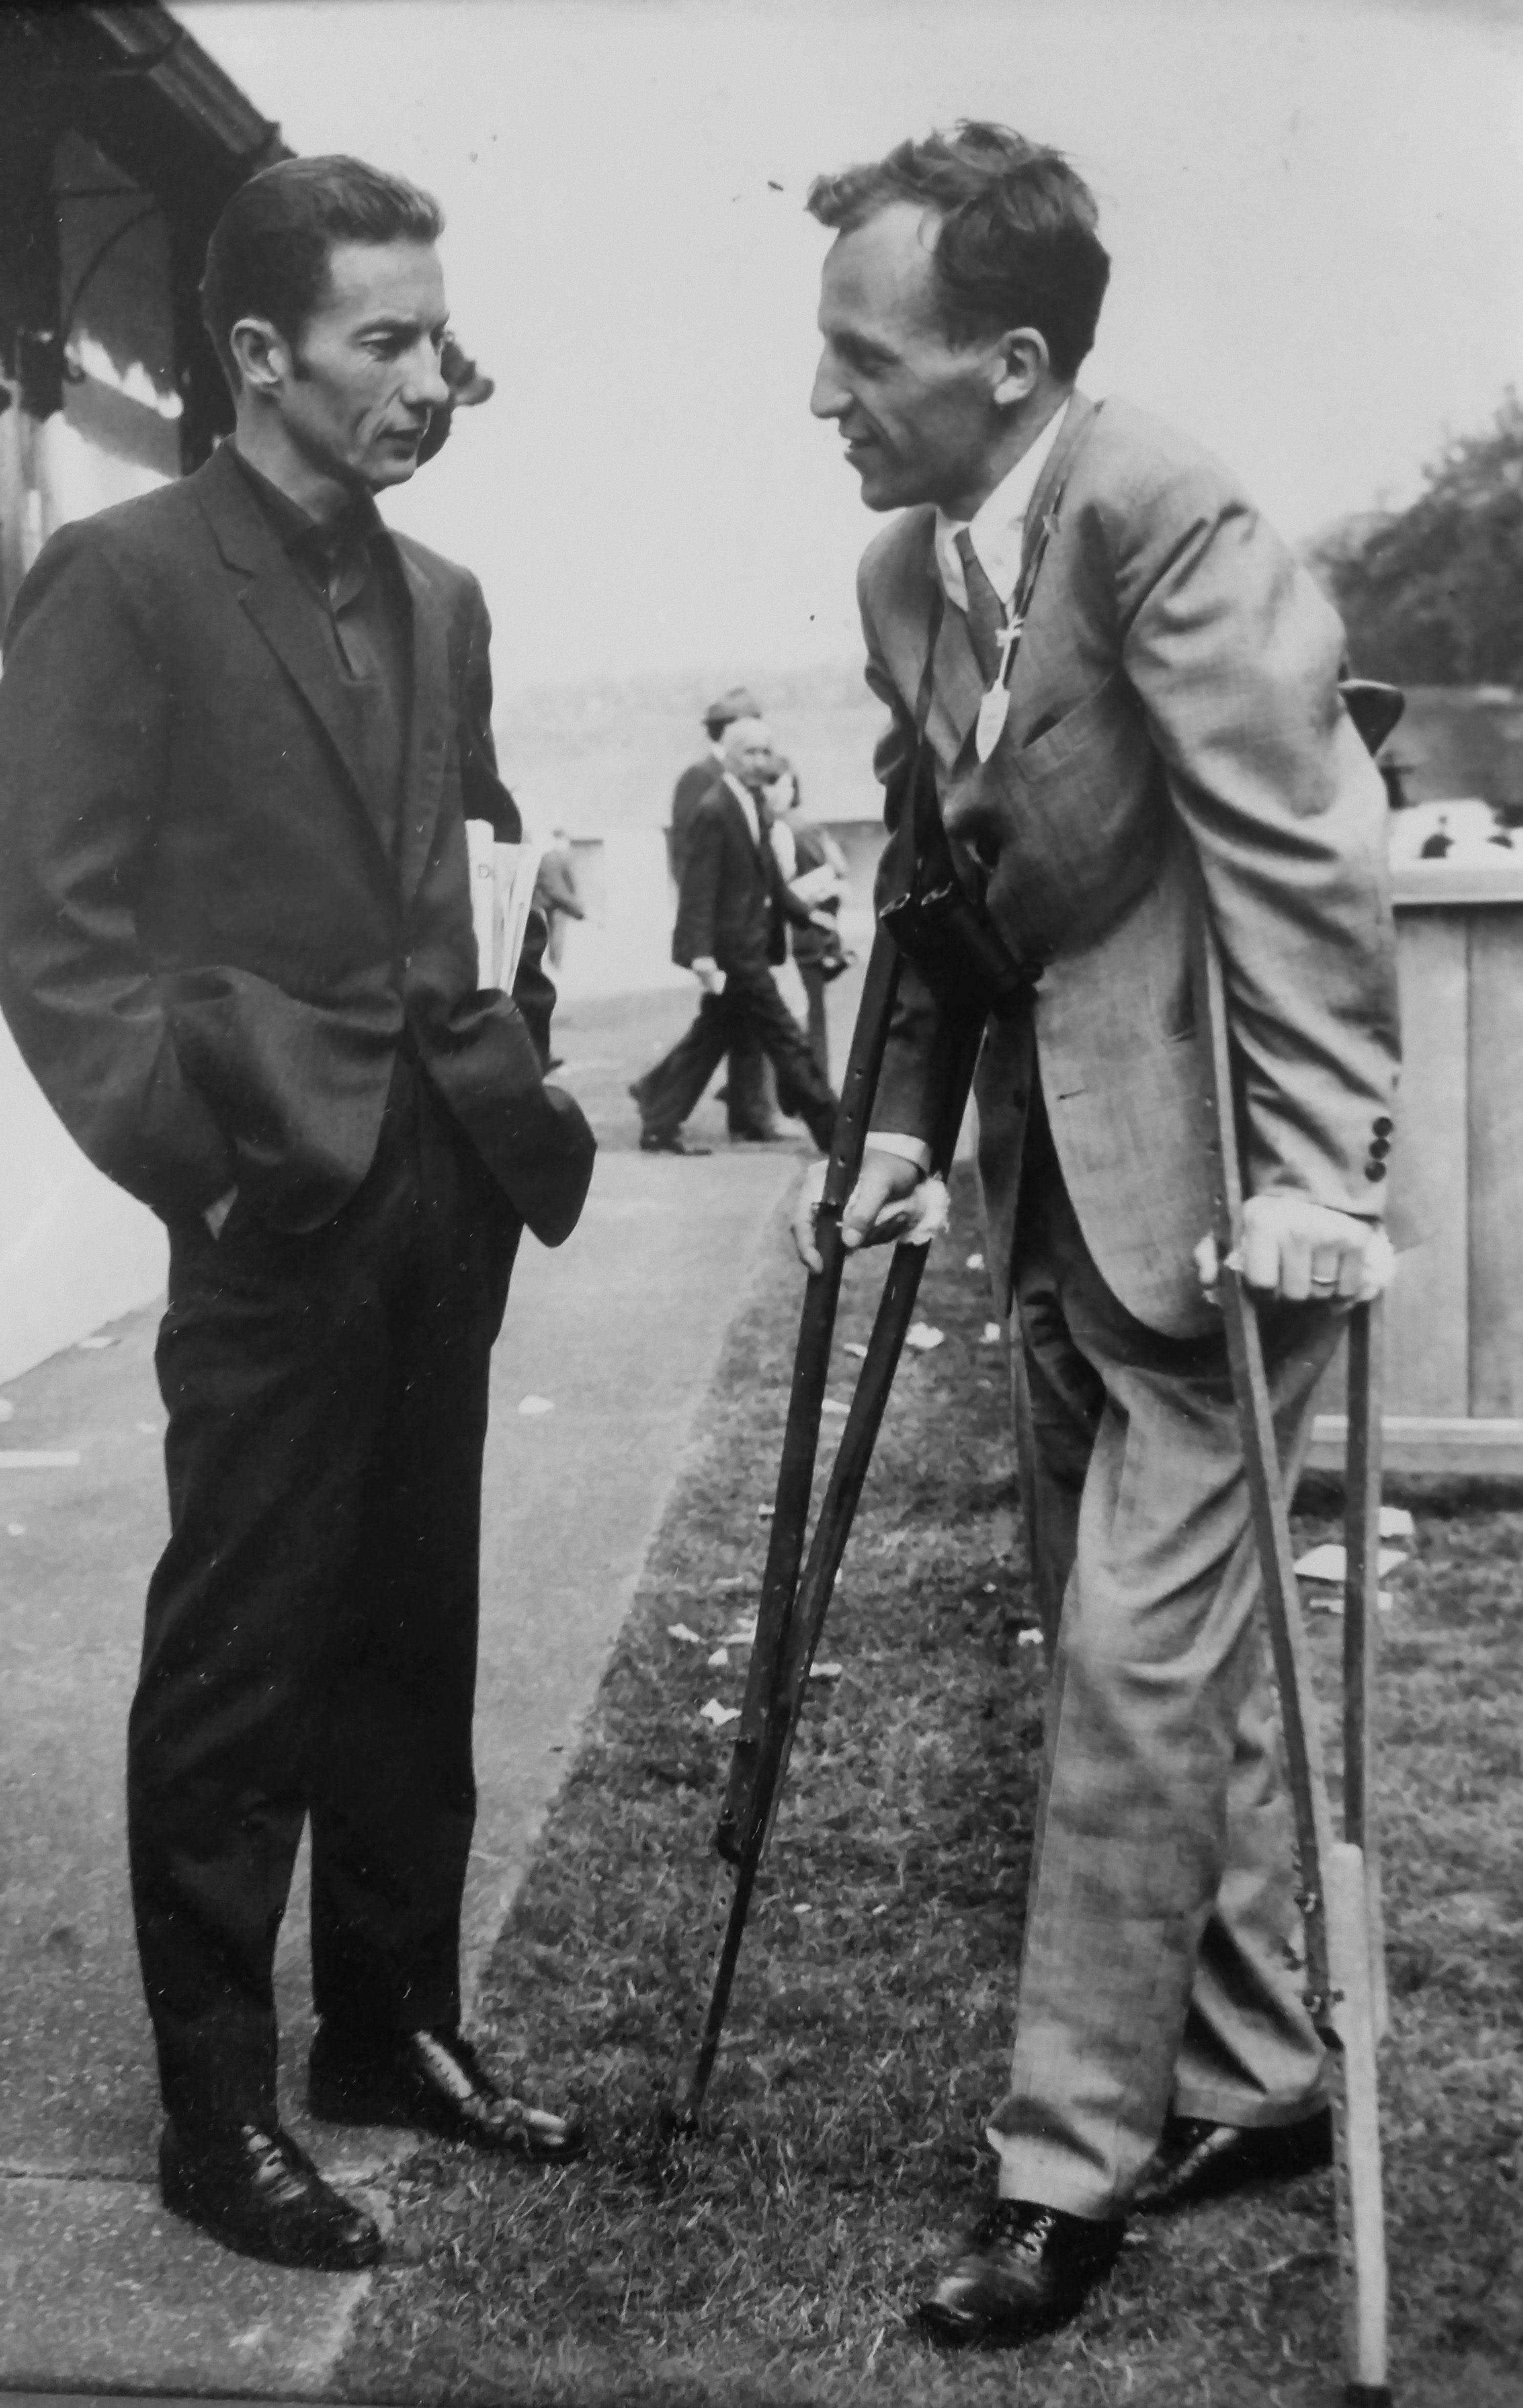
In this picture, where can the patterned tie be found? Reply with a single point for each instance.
(986, 619)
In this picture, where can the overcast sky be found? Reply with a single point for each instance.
(1314, 212)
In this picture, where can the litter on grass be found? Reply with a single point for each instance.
(1397, 1523)
(975, 1261)
(853, 1348)
(717, 1662)
(824, 1671)
(1330, 1562)
(830, 1405)
(992, 1334)
(743, 1635)
(718, 1715)
(680, 1630)
(923, 1336)
(765, 1512)
(1028, 1639)
(535, 1405)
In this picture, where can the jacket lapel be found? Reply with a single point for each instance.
(272, 595)
(428, 725)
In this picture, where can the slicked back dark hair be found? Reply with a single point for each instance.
(1016, 245)
(269, 250)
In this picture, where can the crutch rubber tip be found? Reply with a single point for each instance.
(1367, 2395)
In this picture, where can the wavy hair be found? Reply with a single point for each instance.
(1016, 244)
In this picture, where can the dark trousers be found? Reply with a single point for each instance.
(817, 1025)
(750, 1103)
(310, 1640)
(751, 1004)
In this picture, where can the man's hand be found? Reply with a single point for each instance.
(1295, 1249)
(879, 1203)
(708, 974)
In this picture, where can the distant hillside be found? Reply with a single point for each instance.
(607, 753)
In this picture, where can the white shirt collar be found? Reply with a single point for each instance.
(998, 527)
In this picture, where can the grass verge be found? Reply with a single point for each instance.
(772, 2258)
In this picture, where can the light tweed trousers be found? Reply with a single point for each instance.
(1159, 1968)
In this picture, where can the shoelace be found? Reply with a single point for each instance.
(1009, 2220)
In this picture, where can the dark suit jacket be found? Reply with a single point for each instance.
(206, 956)
(733, 900)
(694, 787)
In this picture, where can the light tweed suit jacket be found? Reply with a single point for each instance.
(1176, 690)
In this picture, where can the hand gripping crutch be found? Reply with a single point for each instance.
(792, 1614)
(1338, 1887)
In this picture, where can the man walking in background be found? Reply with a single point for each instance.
(241, 729)
(1130, 692)
(747, 1092)
(730, 930)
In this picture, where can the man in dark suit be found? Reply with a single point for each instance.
(747, 1091)
(241, 729)
(730, 930)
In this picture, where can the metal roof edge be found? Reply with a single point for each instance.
(152, 42)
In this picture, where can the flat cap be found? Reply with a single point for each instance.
(736, 702)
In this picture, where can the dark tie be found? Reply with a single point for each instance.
(986, 619)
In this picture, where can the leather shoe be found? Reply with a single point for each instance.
(1198, 2161)
(1025, 2269)
(252, 2186)
(435, 2082)
(652, 1142)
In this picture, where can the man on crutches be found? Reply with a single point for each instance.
(1129, 691)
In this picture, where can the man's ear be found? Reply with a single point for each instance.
(261, 354)
(1024, 363)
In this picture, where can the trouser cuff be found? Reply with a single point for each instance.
(1250, 2115)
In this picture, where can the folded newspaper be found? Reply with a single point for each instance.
(502, 880)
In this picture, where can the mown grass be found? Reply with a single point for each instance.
(773, 2257)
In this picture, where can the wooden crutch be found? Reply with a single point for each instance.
(1338, 1887)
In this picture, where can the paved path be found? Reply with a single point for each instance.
(619, 1331)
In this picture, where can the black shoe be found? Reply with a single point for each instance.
(435, 2082)
(653, 1142)
(1196, 2160)
(1023, 2268)
(759, 1136)
(250, 2186)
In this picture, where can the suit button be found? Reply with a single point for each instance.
(1384, 1126)
(1379, 1148)
(1373, 1169)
